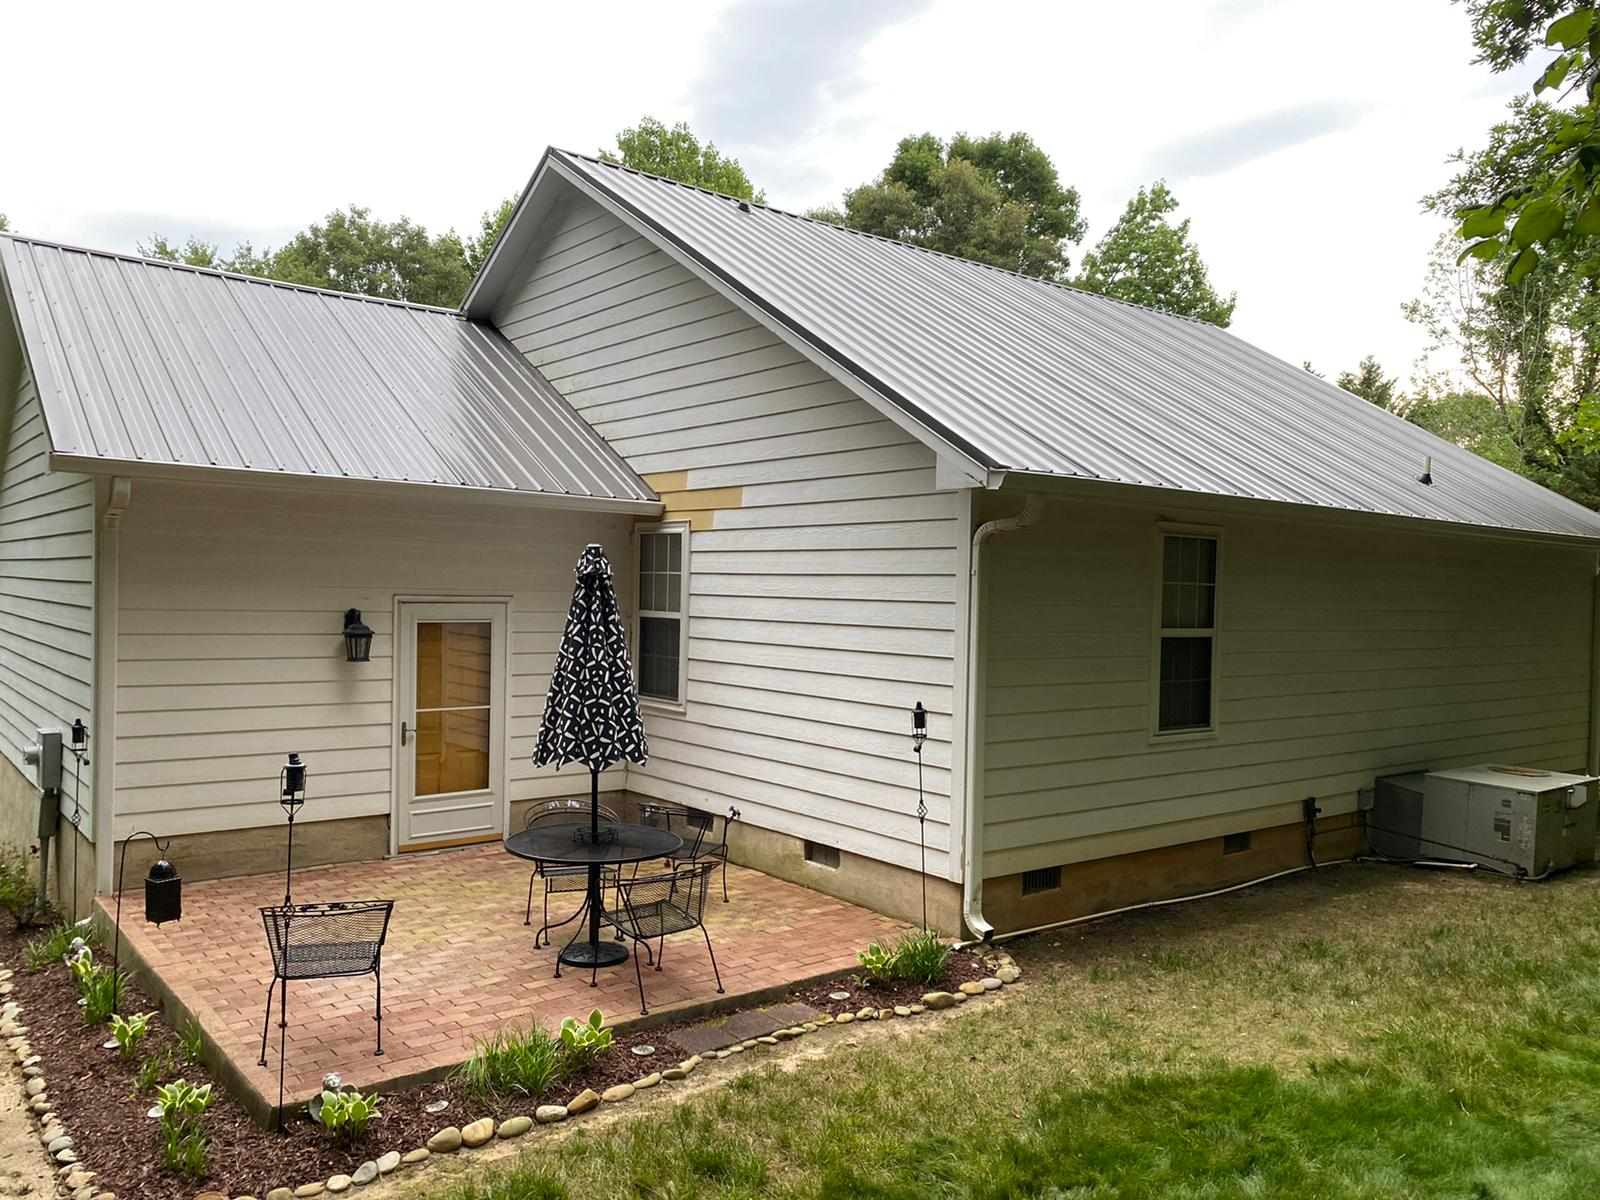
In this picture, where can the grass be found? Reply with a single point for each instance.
(514, 1062)
(1367, 1032)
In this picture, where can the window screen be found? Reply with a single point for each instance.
(1188, 633)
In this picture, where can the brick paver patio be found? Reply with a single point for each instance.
(459, 962)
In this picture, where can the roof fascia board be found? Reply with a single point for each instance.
(486, 288)
(13, 358)
(774, 322)
(1112, 492)
(392, 488)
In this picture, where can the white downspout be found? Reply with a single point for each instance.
(976, 648)
(103, 718)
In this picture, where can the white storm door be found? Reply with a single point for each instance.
(450, 697)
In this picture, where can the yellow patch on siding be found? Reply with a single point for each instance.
(698, 506)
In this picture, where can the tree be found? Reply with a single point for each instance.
(997, 200)
(1370, 383)
(676, 153)
(4, 224)
(1145, 259)
(490, 226)
(1553, 201)
(1523, 339)
(349, 251)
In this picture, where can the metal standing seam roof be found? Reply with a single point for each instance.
(1029, 377)
(154, 363)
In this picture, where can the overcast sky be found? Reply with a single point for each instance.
(1298, 134)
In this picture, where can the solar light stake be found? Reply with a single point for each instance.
(919, 735)
(291, 795)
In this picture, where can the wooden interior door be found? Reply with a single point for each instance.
(451, 700)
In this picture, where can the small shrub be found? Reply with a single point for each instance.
(183, 1102)
(19, 895)
(193, 1043)
(344, 1114)
(920, 957)
(878, 962)
(521, 1062)
(582, 1042)
(129, 1032)
(184, 1151)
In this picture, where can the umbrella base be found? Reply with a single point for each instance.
(588, 954)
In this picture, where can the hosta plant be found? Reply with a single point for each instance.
(344, 1114)
(584, 1041)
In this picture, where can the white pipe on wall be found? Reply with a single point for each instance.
(976, 648)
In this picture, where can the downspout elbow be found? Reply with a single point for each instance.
(972, 833)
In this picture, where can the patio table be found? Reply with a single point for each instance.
(574, 845)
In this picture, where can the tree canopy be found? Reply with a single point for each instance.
(996, 199)
(4, 224)
(1146, 259)
(1370, 383)
(1553, 199)
(676, 153)
(352, 251)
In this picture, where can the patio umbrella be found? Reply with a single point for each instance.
(591, 714)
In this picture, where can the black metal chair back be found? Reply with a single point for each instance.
(327, 941)
(707, 843)
(570, 811)
(653, 906)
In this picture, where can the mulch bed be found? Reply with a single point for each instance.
(959, 968)
(94, 1091)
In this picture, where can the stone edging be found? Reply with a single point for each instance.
(76, 1179)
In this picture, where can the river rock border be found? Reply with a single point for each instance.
(76, 1179)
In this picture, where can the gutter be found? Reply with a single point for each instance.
(972, 830)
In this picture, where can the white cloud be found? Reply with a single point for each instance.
(1298, 135)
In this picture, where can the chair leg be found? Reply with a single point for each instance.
(713, 955)
(661, 950)
(527, 917)
(724, 881)
(378, 1013)
(639, 975)
(265, 1022)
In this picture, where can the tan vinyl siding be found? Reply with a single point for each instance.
(231, 654)
(46, 586)
(1342, 654)
(822, 605)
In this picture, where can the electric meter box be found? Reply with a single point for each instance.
(1518, 820)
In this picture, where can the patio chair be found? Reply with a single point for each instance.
(705, 845)
(325, 941)
(562, 879)
(652, 906)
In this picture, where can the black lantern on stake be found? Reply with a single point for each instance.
(357, 638)
(291, 796)
(163, 899)
(919, 735)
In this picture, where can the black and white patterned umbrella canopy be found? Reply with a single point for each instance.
(591, 714)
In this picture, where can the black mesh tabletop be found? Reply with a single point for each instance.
(573, 845)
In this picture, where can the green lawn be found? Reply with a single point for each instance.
(1368, 1032)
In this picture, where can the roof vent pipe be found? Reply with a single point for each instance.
(972, 829)
(1427, 470)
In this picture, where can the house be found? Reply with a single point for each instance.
(1157, 589)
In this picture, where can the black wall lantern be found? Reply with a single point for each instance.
(357, 638)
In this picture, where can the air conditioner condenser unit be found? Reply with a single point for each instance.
(1517, 820)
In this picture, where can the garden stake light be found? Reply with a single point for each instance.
(163, 900)
(919, 735)
(80, 756)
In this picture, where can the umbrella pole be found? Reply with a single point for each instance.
(594, 868)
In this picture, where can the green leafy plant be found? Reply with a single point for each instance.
(918, 957)
(519, 1062)
(128, 1032)
(19, 895)
(584, 1041)
(344, 1114)
(192, 1041)
(184, 1142)
(154, 1067)
(99, 986)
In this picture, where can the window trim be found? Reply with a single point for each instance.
(1167, 737)
(681, 528)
